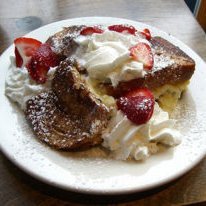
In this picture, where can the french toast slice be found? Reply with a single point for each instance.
(171, 66)
(69, 117)
(63, 43)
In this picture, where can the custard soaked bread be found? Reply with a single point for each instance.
(171, 66)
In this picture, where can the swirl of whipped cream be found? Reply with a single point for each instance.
(20, 87)
(127, 140)
(106, 56)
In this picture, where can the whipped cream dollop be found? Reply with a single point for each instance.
(106, 56)
(127, 140)
(20, 87)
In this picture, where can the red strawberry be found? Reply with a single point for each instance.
(123, 28)
(41, 61)
(38, 73)
(19, 60)
(90, 30)
(147, 34)
(142, 52)
(24, 49)
(137, 105)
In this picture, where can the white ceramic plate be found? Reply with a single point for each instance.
(91, 172)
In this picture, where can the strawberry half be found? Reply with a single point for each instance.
(123, 28)
(24, 49)
(147, 34)
(41, 61)
(19, 60)
(142, 52)
(38, 72)
(137, 105)
(91, 30)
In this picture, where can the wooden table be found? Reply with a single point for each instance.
(19, 17)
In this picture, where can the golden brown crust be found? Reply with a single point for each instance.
(181, 68)
(70, 117)
(62, 42)
(73, 94)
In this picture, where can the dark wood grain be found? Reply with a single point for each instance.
(19, 17)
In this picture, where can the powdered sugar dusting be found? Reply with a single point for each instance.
(162, 62)
(59, 129)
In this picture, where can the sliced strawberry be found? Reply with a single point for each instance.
(123, 28)
(142, 52)
(147, 34)
(91, 30)
(19, 60)
(24, 49)
(46, 56)
(137, 105)
(41, 61)
(38, 72)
